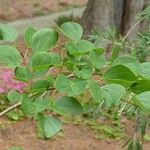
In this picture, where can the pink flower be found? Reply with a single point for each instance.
(8, 83)
(2, 90)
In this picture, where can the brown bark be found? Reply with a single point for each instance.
(131, 9)
(101, 14)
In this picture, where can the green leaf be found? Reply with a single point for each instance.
(55, 59)
(115, 52)
(141, 86)
(69, 105)
(79, 48)
(69, 87)
(48, 126)
(97, 59)
(72, 30)
(107, 98)
(9, 56)
(145, 70)
(43, 40)
(130, 62)
(14, 96)
(40, 86)
(15, 115)
(40, 125)
(115, 92)
(95, 91)
(85, 72)
(143, 100)
(8, 33)
(41, 105)
(27, 105)
(44, 60)
(71, 61)
(28, 36)
(57, 109)
(120, 74)
(41, 61)
(22, 74)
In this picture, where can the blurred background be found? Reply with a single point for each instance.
(11, 10)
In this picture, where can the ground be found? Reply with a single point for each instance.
(76, 137)
(17, 9)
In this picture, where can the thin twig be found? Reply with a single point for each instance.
(129, 32)
(19, 104)
(9, 109)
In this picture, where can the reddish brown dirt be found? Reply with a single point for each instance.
(23, 134)
(16, 9)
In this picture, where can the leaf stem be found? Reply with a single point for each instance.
(9, 109)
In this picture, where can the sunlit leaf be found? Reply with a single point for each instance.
(120, 74)
(9, 56)
(8, 33)
(43, 40)
(69, 105)
(70, 87)
(72, 30)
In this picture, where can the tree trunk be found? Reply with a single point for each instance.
(98, 14)
(131, 10)
(101, 14)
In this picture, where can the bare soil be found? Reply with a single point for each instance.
(17, 9)
(76, 137)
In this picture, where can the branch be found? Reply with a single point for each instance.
(131, 29)
(9, 109)
(19, 104)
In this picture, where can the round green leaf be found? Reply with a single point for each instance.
(130, 62)
(22, 74)
(145, 70)
(43, 60)
(85, 72)
(40, 85)
(97, 59)
(143, 100)
(40, 105)
(31, 107)
(14, 96)
(69, 87)
(69, 105)
(95, 91)
(9, 56)
(72, 30)
(43, 40)
(51, 126)
(115, 92)
(28, 36)
(27, 105)
(120, 74)
(8, 33)
(141, 86)
(55, 59)
(79, 48)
